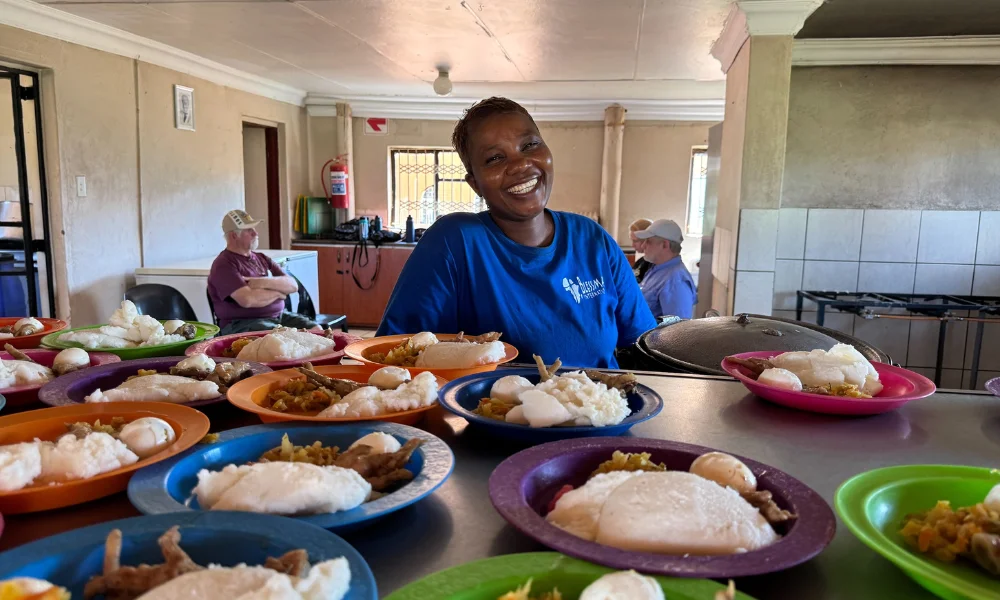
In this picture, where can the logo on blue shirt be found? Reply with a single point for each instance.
(584, 290)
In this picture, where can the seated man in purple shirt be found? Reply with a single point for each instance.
(667, 287)
(247, 288)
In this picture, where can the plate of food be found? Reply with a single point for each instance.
(24, 372)
(840, 381)
(335, 477)
(131, 335)
(56, 457)
(281, 348)
(661, 507)
(27, 332)
(338, 394)
(544, 404)
(193, 381)
(166, 557)
(449, 355)
(553, 576)
(939, 524)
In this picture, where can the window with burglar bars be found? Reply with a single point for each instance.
(428, 183)
(696, 191)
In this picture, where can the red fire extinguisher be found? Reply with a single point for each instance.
(337, 181)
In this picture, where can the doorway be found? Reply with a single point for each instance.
(26, 280)
(260, 180)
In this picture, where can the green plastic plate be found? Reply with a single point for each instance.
(874, 504)
(490, 578)
(204, 331)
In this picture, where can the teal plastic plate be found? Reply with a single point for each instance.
(491, 578)
(874, 504)
(204, 331)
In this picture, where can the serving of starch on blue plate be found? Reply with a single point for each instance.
(167, 486)
(462, 397)
(70, 559)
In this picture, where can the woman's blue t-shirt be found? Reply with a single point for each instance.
(575, 299)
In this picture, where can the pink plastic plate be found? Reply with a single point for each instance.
(215, 346)
(900, 386)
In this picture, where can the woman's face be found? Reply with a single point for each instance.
(637, 244)
(511, 166)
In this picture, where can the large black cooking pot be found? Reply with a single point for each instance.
(700, 345)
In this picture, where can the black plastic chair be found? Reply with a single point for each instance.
(160, 301)
(211, 308)
(307, 309)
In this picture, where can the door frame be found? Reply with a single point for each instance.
(273, 188)
(31, 246)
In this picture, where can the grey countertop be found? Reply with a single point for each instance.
(458, 524)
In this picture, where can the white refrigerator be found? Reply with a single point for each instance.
(190, 277)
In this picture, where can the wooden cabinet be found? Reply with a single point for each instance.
(341, 270)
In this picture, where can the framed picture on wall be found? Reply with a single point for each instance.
(183, 107)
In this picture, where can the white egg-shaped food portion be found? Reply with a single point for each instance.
(147, 436)
(725, 470)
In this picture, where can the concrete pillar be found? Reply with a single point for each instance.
(345, 147)
(755, 51)
(611, 171)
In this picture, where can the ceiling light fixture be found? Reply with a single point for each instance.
(442, 85)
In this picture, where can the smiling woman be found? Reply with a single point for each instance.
(556, 284)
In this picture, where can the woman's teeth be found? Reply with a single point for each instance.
(523, 188)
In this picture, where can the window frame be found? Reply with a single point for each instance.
(393, 151)
(695, 151)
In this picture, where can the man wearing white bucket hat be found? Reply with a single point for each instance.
(667, 287)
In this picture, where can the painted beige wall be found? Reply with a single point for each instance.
(371, 158)
(255, 176)
(733, 134)
(95, 239)
(322, 147)
(656, 170)
(656, 163)
(8, 159)
(893, 137)
(199, 175)
(98, 126)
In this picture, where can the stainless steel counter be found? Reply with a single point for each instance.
(458, 524)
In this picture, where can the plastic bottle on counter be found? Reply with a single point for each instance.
(363, 228)
(377, 224)
(409, 237)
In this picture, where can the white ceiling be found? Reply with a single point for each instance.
(542, 48)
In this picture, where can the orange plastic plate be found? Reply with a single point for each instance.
(360, 351)
(250, 393)
(189, 425)
(35, 339)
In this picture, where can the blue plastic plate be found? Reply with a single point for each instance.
(224, 538)
(462, 396)
(166, 486)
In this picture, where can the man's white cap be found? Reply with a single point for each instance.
(662, 228)
(236, 220)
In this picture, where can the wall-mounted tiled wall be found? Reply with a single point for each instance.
(889, 251)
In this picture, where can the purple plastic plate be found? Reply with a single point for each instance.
(22, 395)
(522, 487)
(993, 386)
(72, 388)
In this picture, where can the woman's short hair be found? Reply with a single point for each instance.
(640, 225)
(478, 112)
